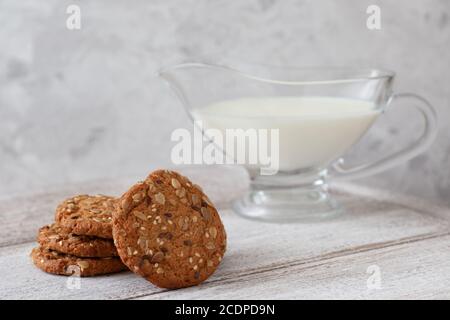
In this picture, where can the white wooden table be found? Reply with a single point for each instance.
(385, 246)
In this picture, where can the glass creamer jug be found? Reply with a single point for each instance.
(318, 114)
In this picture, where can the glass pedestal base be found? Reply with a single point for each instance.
(282, 204)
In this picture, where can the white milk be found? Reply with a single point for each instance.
(313, 131)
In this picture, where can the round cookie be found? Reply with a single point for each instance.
(60, 239)
(58, 263)
(87, 215)
(167, 230)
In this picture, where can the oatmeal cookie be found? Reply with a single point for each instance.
(87, 215)
(168, 231)
(55, 237)
(59, 263)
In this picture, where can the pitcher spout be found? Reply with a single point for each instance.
(197, 84)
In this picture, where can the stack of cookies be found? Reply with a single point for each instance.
(80, 241)
(164, 229)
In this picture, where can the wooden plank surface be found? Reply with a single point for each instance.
(410, 270)
(406, 238)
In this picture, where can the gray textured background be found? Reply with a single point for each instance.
(82, 105)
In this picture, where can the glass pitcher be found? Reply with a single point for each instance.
(318, 114)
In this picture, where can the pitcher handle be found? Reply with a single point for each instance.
(338, 171)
